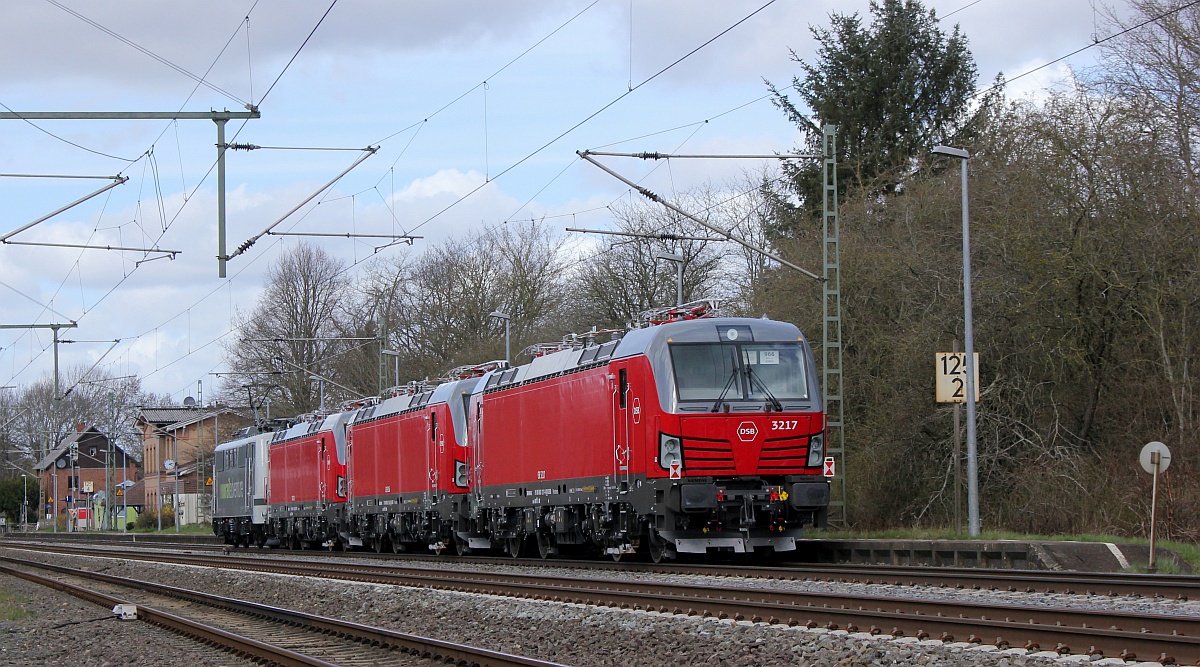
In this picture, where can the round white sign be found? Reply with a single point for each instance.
(1164, 457)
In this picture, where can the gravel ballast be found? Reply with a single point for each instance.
(566, 633)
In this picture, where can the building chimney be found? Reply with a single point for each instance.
(80, 427)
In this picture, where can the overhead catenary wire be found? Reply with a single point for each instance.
(1093, 43)
(118, 180)
(367, 152)
(278, 232)
(148, 52)
(187, 197)
(596, 113)
(731, 156)
(664, 236)
(102, 178)
(737, 239)
(171, 253)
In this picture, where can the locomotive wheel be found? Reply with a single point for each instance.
(658, 546)
(545, 543)
(461, 546)
(377, 544)
(514, 545)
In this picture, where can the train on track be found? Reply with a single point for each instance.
(692, 434)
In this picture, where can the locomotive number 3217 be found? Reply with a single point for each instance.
(784, 424)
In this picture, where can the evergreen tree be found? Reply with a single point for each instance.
(894, 89)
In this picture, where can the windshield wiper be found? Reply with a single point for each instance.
(774, 402)
(728, 385)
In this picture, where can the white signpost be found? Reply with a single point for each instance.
(951, 377)
(1155, 459)
(950, 386)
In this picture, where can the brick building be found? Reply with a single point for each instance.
(76, 471)
(178, 443)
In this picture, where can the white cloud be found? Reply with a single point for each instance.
(405, 77)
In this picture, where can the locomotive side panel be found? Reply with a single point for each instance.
(371, 458)
(296, 468)
(412, 452)
(557, 429)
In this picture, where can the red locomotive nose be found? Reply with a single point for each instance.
(724, 445)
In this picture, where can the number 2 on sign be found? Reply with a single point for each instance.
(951, 377)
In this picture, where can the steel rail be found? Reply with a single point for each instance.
(1167, 637)
(369, 635)
(1166, 586)
(206, 633)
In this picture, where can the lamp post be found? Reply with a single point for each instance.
(25, 503)
(507, 318)
(321, 388)
(175, 454)
(678, 259)
(125, 484)
(395, 354)
(969, 335)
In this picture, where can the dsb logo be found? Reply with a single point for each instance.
(747, 431)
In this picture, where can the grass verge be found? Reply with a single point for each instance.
(11, 608)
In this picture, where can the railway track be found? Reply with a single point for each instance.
(1165, 638)
(266, 634)
(1165, 586)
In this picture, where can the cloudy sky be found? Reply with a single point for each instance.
(477, 110)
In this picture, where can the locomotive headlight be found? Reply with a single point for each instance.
(670, 451)
(816, 450)
(460, 474)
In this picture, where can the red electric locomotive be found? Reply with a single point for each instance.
(408, 466)
(702, 434)
(306, 481)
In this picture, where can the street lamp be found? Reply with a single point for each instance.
(25, 504)
(321, 385)
(969, 334)
(507, 318)
(396, 357)
(678, 259)
(175, 453)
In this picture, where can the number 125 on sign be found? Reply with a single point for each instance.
(951, 377)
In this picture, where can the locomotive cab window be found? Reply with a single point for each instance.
(731, 372)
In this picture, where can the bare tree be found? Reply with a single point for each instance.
(39, 420)
(622, 278)
(434, 308)
(289, 337)
(1157, 69)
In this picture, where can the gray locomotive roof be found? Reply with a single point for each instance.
(397, 404)
(241, 441)
(641, 341)
(702, 330)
